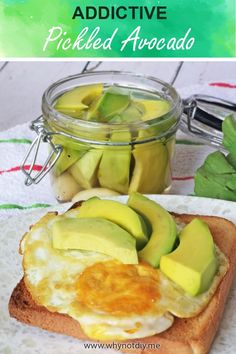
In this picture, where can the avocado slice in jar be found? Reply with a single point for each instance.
(113, 102)
(151, 166)
(75, 101)
(84, 170)
(67, 158)
(114, 168)
(153, 108)
(131, 114)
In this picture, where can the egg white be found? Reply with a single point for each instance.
(51, 277)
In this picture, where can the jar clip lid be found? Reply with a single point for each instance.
(42, 136)
(203, 116)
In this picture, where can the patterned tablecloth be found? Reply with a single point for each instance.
(15, 197)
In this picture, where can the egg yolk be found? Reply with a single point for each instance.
(118, 289)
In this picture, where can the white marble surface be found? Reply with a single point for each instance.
(22, 83)
(28, 340)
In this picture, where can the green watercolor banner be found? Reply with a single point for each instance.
(196, 28)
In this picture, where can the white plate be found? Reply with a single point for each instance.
(22, 339)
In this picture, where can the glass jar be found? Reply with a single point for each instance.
(121, 157)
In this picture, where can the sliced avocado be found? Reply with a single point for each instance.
(229, 133)
(170, 146)
(158, 127)
(193, 264)
(164, 229)
(131, 114)
(94, 192)
(84, 171)
(150, 169)
(93, 113)
(118, 213)
(114, 169)
(94, 234)
(67, 158)
(111, 104)
(142, 110)
(116, 119)
(78, 99)
(153, 108)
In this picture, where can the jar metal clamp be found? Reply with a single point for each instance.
(42, 136)
(203, 116)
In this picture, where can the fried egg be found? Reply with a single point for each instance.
(111, 300)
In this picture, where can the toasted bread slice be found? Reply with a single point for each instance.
(186, 336)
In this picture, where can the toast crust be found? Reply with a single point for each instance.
(186, 336)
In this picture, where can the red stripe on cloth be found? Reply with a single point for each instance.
(223, 84)
(187, 178)
(17, 168)
(39, 168)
